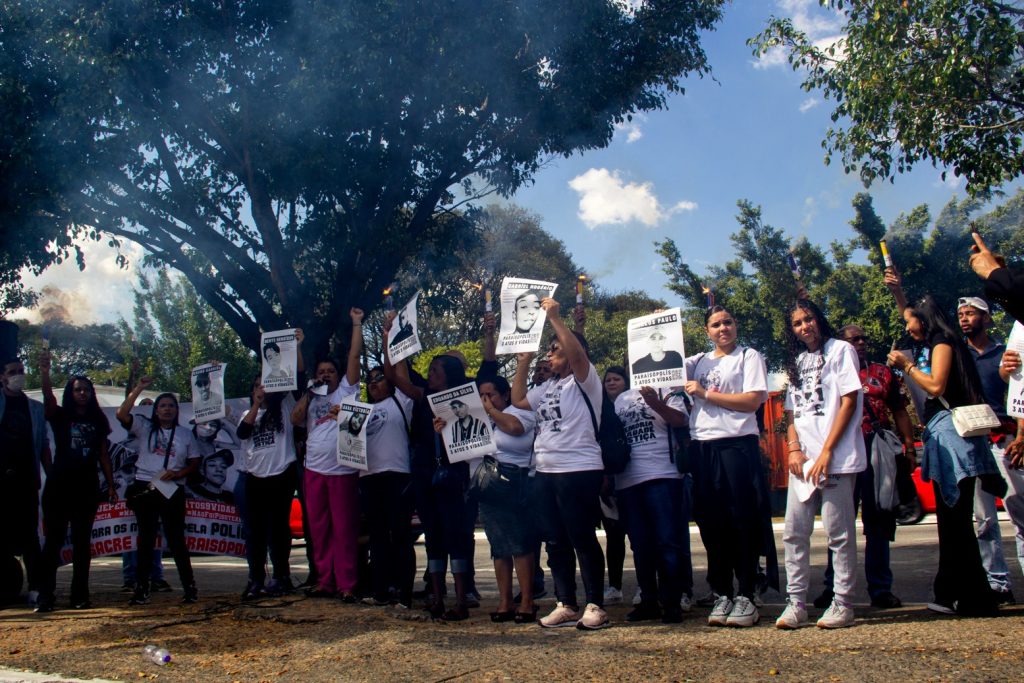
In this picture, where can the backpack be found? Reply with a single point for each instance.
(611, 435)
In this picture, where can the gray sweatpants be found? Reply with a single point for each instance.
(839, 517)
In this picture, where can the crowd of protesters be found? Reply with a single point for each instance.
(695, 451)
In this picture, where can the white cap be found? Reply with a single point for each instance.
(975, 301)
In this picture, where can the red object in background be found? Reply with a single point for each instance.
(295, 519)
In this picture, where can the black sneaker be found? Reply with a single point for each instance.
(81, 603)
(161, 586)
(128, 587)
(191, 595)
(672, 616)
(886, 600)
(824, 600)
(140, 596)
(645, 611)
(253, 591)
(43, 606)
(1005, 597)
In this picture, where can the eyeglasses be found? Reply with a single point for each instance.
(375, 379)
(858, 338)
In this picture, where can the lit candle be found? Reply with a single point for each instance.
(709, 294)
(487, 301)
(579, 289)
(794, 266)
(389, 301)
(885, 254)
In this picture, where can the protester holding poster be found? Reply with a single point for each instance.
(656, 349)
(402, 339)
(167, 455)
(80, 432)
(508, 523)
(268, 444)
(728, 385)
(351, 436)
(331, 489)
(522, 316)
(460, 419)
(208, 392)
(387, 494)
(569, 471)
(280, 360)
(439, 484)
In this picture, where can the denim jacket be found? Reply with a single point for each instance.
(949, 457)
(38, 417)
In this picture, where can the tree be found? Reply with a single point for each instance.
(919, 80)
(289, 158)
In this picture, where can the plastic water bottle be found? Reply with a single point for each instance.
(156, 655)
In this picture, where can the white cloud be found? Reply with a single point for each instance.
(631, 129)
(808, 104)
(952, 181)
(822, 26)
(100, 293)
(606, 199)
(810, 211)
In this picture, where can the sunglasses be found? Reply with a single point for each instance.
(374, 379)
(858, 338)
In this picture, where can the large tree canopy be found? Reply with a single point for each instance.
(289, 157)
(919, 80)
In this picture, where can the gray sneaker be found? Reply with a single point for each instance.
(743, 613)
(793, 617)
(720, 612)
(562, 615)
(836, 616)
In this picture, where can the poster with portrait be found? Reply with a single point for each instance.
(352, 419)
(208, 391)
(403, 339)
(468, 432)
(522, 318)
(279, 354)
(656, 350)
(1015, 387)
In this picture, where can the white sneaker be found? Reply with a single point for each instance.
(743, 613)
(686, 603)
(562, 615)
(720, 612)
(612, 595)
(941, 608)
(593, 618)
(793, 617)
(836, 616)
(637, 597)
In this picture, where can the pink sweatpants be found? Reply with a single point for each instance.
(332, 503)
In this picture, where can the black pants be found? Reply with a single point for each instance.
(68, 500)
(727, 513)
(268, 510)
(388, 501)
(615, 549)
(19, 508)
(567, 515)
(443, 510)
(961, 577)
(149, 514)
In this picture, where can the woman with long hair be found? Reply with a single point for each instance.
(440, 486)
(570, 471)
(728, 385)
(616, 381)
(80, 431)
(167, 452)
(942, 366)
(826, 451)
(270, 476)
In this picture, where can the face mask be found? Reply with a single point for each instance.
(16, 383)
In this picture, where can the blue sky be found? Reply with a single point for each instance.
(748, 132)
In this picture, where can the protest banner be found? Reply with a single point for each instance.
(522, 318)
(208, 391)
(468, 432)
(1015, 387)
(279, 352)
(404, 339)
(656, 350)
(351, 436)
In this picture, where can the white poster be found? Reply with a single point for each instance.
(468, 432)
(278, 351)
(522, 318)
(1015, 388)
(656, 350)
(208, 391)
(403, 339)
(351, 436)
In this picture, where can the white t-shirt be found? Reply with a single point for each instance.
(647, 433)
(566, 441)
(151, 452)
(387, 435)
(267, 452)
(824, 381)
(322, 431)
(515, 450)
(741, 371)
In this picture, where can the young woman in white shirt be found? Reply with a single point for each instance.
(728, 385)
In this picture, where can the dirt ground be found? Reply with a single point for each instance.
(302, 639)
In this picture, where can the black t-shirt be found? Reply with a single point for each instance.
(78, 443)
(956, 394)
(16, 452)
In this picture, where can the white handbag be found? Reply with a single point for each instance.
(974, 420)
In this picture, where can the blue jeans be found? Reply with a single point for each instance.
(130, 558)
(654, 517)
(990, 538)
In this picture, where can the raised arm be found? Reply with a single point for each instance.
(519, 381)
(507, 423)
(355, 347)
(571, 347)
(490, 342)
(124, 411)
(300, 362)
(895, 284)
(398, 375)
(49, 400)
